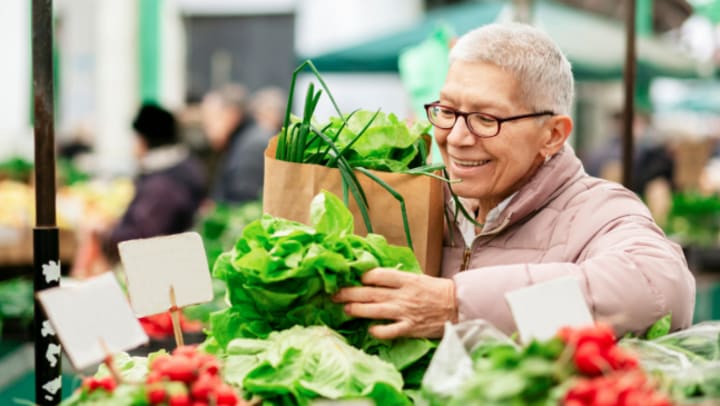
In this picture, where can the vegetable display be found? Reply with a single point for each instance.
(282, 273)
(693, 219)
(687, 362)
(297, 365)
(184, 378)
(477, 365)
(16, 302)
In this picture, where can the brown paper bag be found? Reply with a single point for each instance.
(289, 188)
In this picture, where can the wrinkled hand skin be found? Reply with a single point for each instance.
(417, 305)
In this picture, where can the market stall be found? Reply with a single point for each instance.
(280, 337)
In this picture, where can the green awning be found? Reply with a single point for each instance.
(707, 8)
(381, 54)
(594, 44)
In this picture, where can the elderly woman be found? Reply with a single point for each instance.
(501, 124)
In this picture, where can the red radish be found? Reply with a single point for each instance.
(180, 369)
(158, 363)
(211, 367)
(202, 387)
(156, 395)
(189, 351)
(108, 383)
(90, 384)
(180, 399)
(154, 376)
(588, 359)
(226, 396)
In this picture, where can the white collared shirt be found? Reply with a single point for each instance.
(467, 228)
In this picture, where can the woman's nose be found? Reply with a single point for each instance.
(460, 133)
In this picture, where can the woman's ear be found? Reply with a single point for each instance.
(560, 127)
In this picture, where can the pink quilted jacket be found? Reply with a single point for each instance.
(564, 222)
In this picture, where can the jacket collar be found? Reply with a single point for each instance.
(549, 181)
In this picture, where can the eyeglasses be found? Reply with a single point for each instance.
(480, 124)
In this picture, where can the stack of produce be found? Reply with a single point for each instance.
(693, 219)
(184, 378)
(581, 366)
(610, 375)
(687, 362)
(282, 274)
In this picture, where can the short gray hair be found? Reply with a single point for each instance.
(271, 97)
(542, 70)
(232, 95)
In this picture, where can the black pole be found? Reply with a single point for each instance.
(48, 387)
(629, 109)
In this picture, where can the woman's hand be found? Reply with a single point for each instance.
(418, 305)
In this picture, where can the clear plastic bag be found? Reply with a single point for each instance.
(687, 362)
(452, 364)
(700, 340)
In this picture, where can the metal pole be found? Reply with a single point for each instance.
(48, 387)
(629, 108)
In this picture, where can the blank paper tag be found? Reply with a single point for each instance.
(153, 265)
(542, 309)
(87, 313)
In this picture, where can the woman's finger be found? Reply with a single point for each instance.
(391, 331)
(386, 277)
(362, 294)
(375, 311)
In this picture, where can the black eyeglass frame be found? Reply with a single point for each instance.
(464, 115)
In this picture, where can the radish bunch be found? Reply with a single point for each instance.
(188, 378)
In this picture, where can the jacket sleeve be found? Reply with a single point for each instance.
(630, 273)
(152, 213)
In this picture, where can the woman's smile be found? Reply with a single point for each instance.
(466, 167)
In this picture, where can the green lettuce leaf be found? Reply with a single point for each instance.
(330, 217)
(388, 144)
(297, 365)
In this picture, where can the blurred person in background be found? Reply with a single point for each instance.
(653, 169)
(268, 109)
(234, 134)
(652, 159)
(169, 189)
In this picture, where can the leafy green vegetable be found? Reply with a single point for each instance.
(660, 328)
(202, 311)
(16, 301)
(360, 140)
(506, 375)
(282, 273)
(132, 370)
(16, 168)
(388, 144)
(302, 363)
(221, 227)
(124, 395)
(693, 219)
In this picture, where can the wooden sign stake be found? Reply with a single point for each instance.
(175, 316)
(108, 361)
